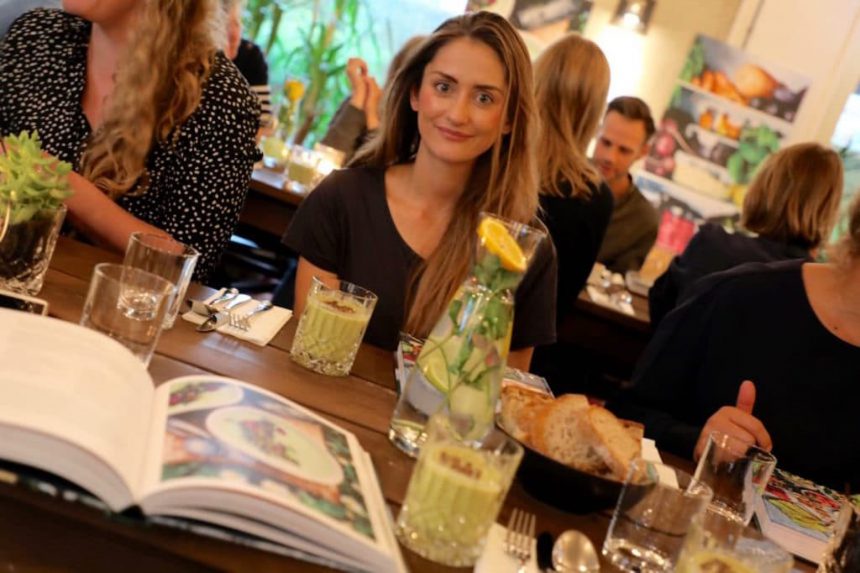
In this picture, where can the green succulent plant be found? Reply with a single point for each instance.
(30, 181)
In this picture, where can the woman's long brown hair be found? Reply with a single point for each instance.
(571, 84)
(159, 83)
(503, 179)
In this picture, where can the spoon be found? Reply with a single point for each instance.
(572, 552)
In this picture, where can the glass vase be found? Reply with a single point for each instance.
(460, 366)
(26, 247)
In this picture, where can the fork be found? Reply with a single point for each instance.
(521, 533)
(243, 321)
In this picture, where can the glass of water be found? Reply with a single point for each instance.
(166, 257)
(129, 305)
(655, 510)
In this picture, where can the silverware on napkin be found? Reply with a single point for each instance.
(222, 317)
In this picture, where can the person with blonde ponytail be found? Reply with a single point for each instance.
(456, 139)
(158, 125)
(571, 83)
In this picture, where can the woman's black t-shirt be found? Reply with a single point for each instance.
(345, 227)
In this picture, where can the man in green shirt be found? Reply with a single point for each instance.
(622, 139)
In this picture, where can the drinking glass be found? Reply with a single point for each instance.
(717, 542)
(737, 472)
(331, 327)
(167, 258)
(455, 492)
(129, 305)
(656, 508)
(302, 169)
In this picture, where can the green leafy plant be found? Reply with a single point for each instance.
(314, 52)
(30, 181)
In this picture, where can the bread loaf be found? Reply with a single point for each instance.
(571, 431)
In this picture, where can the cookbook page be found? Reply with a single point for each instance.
(233, 447)
(73, 402)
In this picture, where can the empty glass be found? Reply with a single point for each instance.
(656, 508)
(167, 258)
(331, 327)
(737, 472)
(455, 492)
(128, 305)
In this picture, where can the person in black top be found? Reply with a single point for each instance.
(790, 331)
(455, 142)
(791, 204)
(160, 134)
(571, 83)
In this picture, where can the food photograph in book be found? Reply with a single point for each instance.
(231, 433)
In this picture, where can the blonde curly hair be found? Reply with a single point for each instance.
(159, 83)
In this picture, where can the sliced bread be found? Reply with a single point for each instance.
(612, 441)
(520, 408)
(558, 433)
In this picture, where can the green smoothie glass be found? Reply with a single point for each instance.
(455, 492)
(331, 327)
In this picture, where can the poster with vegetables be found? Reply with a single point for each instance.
(728, 112)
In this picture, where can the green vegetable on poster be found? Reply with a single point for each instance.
(695, 62)
(754, 146)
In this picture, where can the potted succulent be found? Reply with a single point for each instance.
(33, 186)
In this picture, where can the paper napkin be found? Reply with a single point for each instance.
(495, 560)
(264, 326)
(599, 297)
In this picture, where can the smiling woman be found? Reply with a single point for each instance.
(401, 222)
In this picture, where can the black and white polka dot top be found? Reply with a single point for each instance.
(197, 184)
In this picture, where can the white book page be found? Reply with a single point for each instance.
(233, 447)
(73, 402)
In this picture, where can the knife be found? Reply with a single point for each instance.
(209, 308)
(223, 316)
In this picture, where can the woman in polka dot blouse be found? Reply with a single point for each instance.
(157, 124)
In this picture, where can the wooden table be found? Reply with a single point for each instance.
(39, 533)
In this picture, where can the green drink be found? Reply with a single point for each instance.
(331, 327)
(455, 493)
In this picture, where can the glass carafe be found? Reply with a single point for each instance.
(461, 364)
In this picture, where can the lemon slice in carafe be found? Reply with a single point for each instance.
(499, 242)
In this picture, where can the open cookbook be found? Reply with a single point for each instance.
(79, 405)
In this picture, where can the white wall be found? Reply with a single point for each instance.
(820, 39)
(648, 65)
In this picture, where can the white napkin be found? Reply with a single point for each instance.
(495, 560)
(264, 326)
(601, 298)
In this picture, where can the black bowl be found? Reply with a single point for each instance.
(565, 487)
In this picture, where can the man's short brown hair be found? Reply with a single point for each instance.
(635, 109)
